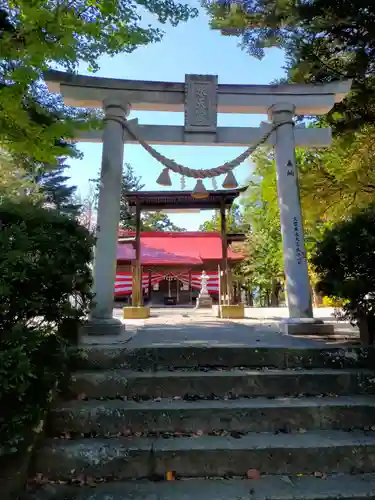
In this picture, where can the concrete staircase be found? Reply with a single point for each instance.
(213, 418)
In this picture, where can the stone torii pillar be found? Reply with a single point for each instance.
(298, 288)
(101, 321)
(294, 252)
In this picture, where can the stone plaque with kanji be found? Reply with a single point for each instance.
(200, 103)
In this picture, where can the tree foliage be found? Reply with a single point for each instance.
(130, 182)
(234, 221)
(158, 221)
(334, 184)
(14, 180)
(150, 221)
(44, 185)
(263, 265)
(337, 181)
(345, 263)
(44, 263)
(68, 32)
(37, 35)
(324, 40)
(55, 190)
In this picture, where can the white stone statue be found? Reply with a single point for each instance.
(204, 278)
(204, 299)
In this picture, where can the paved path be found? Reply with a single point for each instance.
(184, 326)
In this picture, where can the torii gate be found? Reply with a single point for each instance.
(280, 102)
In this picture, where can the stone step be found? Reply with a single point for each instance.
(228, 356)
(206, 456)
(111, 418)
(167, 384)
(333, 487)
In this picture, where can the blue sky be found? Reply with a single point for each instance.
(190, 48)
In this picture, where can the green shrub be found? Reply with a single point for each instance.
(345, 263)
(45, 283)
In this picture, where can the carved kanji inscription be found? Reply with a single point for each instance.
(200, 103)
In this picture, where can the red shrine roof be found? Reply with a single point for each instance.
(187, 248)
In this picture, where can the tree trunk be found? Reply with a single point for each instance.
(366, 326)
(275, 293)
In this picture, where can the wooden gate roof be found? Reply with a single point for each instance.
(163, 200)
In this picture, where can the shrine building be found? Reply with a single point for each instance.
(172, 264)
(165, 268)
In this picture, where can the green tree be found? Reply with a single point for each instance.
(337, 181)
(55, 190)
(158, 221)
(324, 40)
(15, 184)
(130, 182)
(234, 221)
(334, 183)
(344, 261)
(36, 35)
(153, 221)
(43, 184)
(44, 263)
(263, 266)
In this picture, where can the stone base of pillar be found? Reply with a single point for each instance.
(235, 311)
(136, 312)
(306, 326)
(204, 302)
(102, 326)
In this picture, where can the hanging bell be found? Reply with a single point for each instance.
(200, 191)
(230, 181)
(164, 178)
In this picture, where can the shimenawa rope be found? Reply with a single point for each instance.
(202, 173)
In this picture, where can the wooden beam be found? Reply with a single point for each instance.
(190, 289)
(149, 285)
(137, 292)
(224, 256)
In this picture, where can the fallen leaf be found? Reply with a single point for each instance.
(39, 479)
(286, 479)
(253, 474)
(321, 475)
(90, 482)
